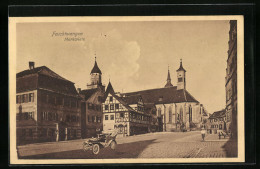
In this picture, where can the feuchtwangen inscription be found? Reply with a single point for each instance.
(69, 36)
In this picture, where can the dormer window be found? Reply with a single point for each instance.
(160, 98)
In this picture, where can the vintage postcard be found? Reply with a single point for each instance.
(143, 89)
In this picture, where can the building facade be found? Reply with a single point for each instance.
(217, 122)
(91, 104)
(125, 114)
(48, 106)
(231, 80)
(176, 108)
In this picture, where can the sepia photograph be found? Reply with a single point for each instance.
(142, 89)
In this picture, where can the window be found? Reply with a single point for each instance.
(99, 119)
(18, 99)
(73, 103)
(59, 101)
(220, 126)
(44, 115)
(73, 118)
(106, 107)
(52, 99)
(117, 106)
(49, 116)
(111, 99)
(67, 118)
(66, 102)
(212, 126)
(112, 107)
(98, 107)
(122, 115)
(181, 114)
(31, 97)
(30, 115)
(190, 114)
(106, 117)
(90, 106)
(25, 98)
(30, 132)
(215, 120)
(180, 79)
(161, 98)
(93, 118)
(112, 117)
(170, 114)
(117, 115)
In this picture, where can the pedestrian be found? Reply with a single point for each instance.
(203, 132)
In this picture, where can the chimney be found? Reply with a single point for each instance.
(79, 90)
(31, 65)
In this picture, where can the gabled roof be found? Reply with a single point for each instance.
(96, 69)
(40, 70)
(218, 114)
(164, 95)
(108, 90)
(45, 79)
(111, 91)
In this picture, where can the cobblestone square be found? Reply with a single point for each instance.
(151, 145)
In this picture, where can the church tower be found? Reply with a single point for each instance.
(169, 83)
(95, 77)
(181, 79)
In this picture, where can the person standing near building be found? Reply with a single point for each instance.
(203, 132)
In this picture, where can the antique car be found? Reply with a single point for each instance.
(101, 141)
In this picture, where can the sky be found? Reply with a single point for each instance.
(134, 55)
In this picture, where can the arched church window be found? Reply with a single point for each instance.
(181, 114)
(170, 114)
(190, 114)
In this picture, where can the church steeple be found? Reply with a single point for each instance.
(181, 79)
(96, 69)
(95, 76)
(169, 83)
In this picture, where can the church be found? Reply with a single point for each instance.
(177, 109)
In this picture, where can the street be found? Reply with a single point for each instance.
(150, 145)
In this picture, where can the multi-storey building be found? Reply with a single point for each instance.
(176, 108)
(231, 80)
(217, 122)
(48, 106)
(126, 114)
(91, 105)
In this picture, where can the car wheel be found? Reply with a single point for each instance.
(85, 147)
(113, 145)
(95, 149)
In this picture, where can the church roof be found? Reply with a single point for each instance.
(96, 69)
(134, 99)
(164, 95)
